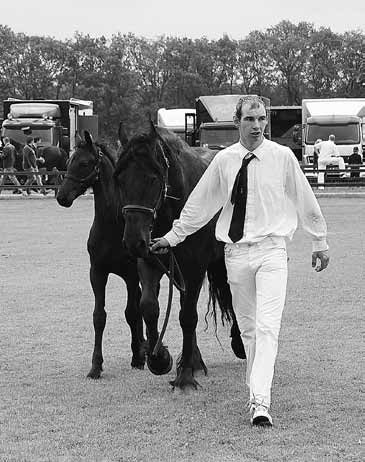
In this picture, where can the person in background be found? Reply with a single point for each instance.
(328, 154)
(8, 157)
(315, 155)
(30, 165)
(261, 191)
(355, 159)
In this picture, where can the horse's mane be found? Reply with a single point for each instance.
(178, 149)
(108, 152)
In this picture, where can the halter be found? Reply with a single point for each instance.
(161, 197)
(94, 175)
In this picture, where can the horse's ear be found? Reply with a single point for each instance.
(122, 135)
(88, 138)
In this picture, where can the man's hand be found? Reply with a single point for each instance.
(320, 260)
(159, 245)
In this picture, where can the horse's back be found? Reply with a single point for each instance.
(54, 157)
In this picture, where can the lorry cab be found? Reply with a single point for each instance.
(40, 120)
(179, 121)
(342, 117)
(218, 136)
(347, 130)
(214, 120)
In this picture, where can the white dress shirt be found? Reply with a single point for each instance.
(278, 193)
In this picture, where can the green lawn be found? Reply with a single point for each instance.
(49, 411)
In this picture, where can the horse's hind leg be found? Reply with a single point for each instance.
(134, 319)
(98, 279)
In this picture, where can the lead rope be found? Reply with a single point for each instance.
(170, 273)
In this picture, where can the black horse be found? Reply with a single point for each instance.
(93, 165)
(156, 173)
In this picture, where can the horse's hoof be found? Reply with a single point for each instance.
(185, 381)
(137, 366)
(160, 364)
(94, 374)
(238, 348)
(138, 362)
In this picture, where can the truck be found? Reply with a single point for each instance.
(52, 122)
(178, 120)
(342, 117)
(285, 121)
(215, 128)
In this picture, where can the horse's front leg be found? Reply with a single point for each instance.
(98, 279)
(134, 319)
(159, 362)
(190, 360)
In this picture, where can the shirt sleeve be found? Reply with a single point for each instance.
(203, 203)
(301, 194)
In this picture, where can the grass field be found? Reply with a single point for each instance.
(49, 411)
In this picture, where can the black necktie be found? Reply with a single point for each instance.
(239, 199)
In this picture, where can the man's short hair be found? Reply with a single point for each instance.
(356, 149)
(252, 101)
(29, 139)
(332, 137)
(6, 139)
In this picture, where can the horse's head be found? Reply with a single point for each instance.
(141, 174)
(82, 171)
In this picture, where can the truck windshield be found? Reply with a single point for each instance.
(218, 137)
(345, 134)
(44, 134)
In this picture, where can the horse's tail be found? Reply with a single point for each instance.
(220, 293)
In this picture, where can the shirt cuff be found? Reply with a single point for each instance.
(319, 246)
(172, 238)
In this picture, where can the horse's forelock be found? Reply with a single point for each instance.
(142, 149)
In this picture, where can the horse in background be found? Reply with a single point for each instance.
(156, 173)
(92, 166)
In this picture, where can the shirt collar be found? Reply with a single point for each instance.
(259, 151)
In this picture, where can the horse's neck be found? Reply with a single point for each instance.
(104, 193)
(183, 177)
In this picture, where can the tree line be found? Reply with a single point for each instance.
(128, 76)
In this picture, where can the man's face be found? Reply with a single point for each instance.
(252, 125)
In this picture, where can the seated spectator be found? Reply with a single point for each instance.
(355, 160)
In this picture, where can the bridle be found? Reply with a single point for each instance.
(162, 196)
(90, 179)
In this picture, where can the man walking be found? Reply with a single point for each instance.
(8, 157)
(30, 165)
(261, 190)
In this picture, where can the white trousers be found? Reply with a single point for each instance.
(322, 164)
(257, 274)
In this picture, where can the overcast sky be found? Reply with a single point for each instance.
(186, 18)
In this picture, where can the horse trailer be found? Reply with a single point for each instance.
(52, 122)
